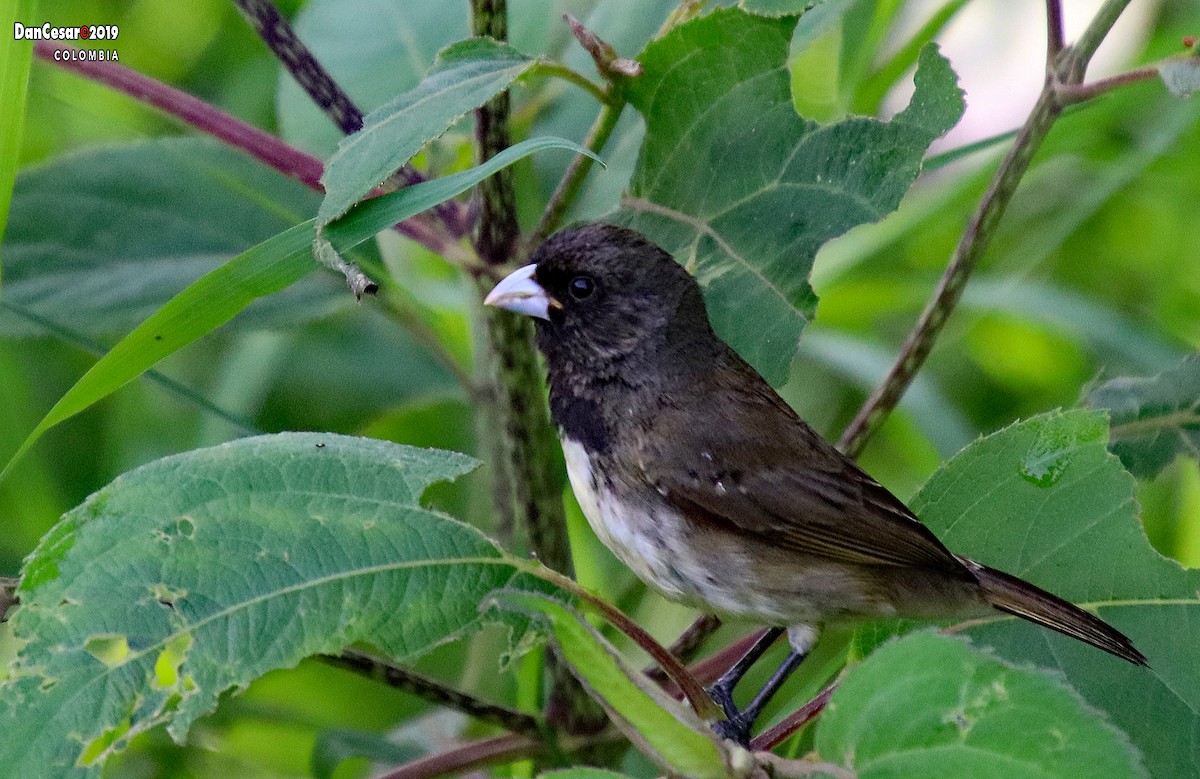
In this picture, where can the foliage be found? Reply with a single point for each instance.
(165, 624)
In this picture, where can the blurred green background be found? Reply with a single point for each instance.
(1095, 273)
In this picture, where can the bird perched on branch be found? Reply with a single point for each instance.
(702, 480)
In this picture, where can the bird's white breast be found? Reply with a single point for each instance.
(631, 530)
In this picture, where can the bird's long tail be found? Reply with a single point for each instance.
(1020, 598)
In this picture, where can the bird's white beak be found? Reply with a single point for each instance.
(520, 293)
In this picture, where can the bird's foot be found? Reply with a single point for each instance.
(735, 728)
(723, 697)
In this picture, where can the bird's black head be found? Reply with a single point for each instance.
(605, 296)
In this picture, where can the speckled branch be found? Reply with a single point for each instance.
(324, 91)
(432, 690)
(514, 424)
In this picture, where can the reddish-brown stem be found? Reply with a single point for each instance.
(470, 755)
(1054, 31)
(263, 146)
(209, 119)
(770, 737)
(684, 680)
(685, 647)
(1077, 93)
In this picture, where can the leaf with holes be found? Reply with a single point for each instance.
(198, 573)
(743, 191)
(1155, 419)
(932, 706)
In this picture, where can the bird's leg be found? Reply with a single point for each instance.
(721, 690)
(737, 724)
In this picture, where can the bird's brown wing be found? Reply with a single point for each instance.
(759, 469)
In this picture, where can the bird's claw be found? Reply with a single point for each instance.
(723, 697)
(735, 729)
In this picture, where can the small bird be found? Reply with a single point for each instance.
(701, 479)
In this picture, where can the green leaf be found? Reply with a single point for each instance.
(135, 224)
(263, 270)
(931, 706)
(662, 728)
(198, 573)
(465, 76)
(375, 49)
(744, 192)
(1046, 501)
(1181, 75)
(1155, 419)
(15, 59)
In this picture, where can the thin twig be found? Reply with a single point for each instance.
(770, 737)
(1079, 55)
(430, 689)
(681, 676)
(263, 146)
(559, 70)
(1068, 69)
(207, 118)
(687, 645)
(1054, 32)
(1077, 93)
(473, 754)
(244, 426)
(308, 72)
(950, 287)
(571, 183)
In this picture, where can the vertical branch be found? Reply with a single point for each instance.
(515, 427)
(498, 231)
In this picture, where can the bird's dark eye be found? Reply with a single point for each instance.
(581, 287)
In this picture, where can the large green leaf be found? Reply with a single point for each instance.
(664, 729)
(1155, 419)
(931, 706)
(744, 192)
(1045, 500)
(465, 76)
(263, 270)
(135, 224)
(197, 573)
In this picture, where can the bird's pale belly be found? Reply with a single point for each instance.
(713, 572)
